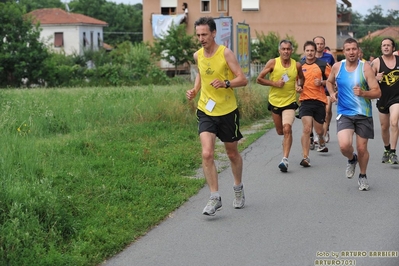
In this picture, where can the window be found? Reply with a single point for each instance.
(250, 5)
(58, 39)
(91, 40)
(98, 39)
(222, 5)
(168, 7)
(206, 6)
(85, 41)
(168, 10)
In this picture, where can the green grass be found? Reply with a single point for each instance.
(86, 171)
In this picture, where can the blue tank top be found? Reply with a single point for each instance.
(348, 103)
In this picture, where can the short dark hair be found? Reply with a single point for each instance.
(310, 43)
(185, 5)
(351, 40)
(387, 38)
(206, 21)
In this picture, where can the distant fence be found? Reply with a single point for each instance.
(256, 68)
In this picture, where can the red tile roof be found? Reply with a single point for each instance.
(48, 16)
(392, 32)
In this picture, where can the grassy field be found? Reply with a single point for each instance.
(86, 171)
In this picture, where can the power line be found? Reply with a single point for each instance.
(123, 32)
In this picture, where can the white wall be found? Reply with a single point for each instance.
(73, 37)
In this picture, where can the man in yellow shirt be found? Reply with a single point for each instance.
(217, 113)
(285, 80)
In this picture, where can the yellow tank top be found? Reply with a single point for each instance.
(211, 68)
(286, 95)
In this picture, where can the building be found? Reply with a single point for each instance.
(392, 32)
(67, 32)
(302, 19)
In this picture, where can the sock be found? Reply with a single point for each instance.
(311, 134)
(215, 194)
(387, 148)
(392, 151)
(362, 176)
(238, 187)
(353, 160)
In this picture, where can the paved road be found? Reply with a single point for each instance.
(294, 218)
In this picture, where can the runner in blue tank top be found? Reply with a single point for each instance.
(357, 85)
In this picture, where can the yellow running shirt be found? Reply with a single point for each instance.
(211, 68)
(280, 97)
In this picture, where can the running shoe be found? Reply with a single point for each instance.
(385, 157)
(305, 162)
(393, 158)
(283, 165)
(363, 184)
(312, 146)
(239, 200)
(214, 204)
(322, 148)
(350, 167)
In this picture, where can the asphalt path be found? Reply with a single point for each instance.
(307, 216)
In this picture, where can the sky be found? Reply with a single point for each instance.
(361, 6)
(129, 2)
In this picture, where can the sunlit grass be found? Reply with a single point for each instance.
(86, 171)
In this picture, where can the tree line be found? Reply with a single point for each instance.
(132, 62)
(373, 21)
(125, 22)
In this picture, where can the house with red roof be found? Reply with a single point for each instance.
(391, 31)
(67, 32)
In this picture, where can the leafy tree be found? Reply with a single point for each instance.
(22, 52)
(371, 47)
(31, 5)
(357, 26)
(376, 17)
(177, 47)
(266, 47)
(124, 21)
(393, 17)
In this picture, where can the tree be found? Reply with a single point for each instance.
(371, 47)
(376, 17)
(31, 5)
(124, 21)
(266, 47)
(22, 54)
(177, 47)
(393, 17)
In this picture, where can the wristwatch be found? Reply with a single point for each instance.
(227, 82)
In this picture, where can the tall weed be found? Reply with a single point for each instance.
(84, 172)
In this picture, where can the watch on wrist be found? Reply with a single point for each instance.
(227, 82)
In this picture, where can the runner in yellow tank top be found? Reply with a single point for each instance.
(217, 113)
(285, 80)
(209, 69)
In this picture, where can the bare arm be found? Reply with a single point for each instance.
(190, 94)
(240, 80)
(331, 82)
(301, 76)
(269, 67)
(375, 65)
(374, 88)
